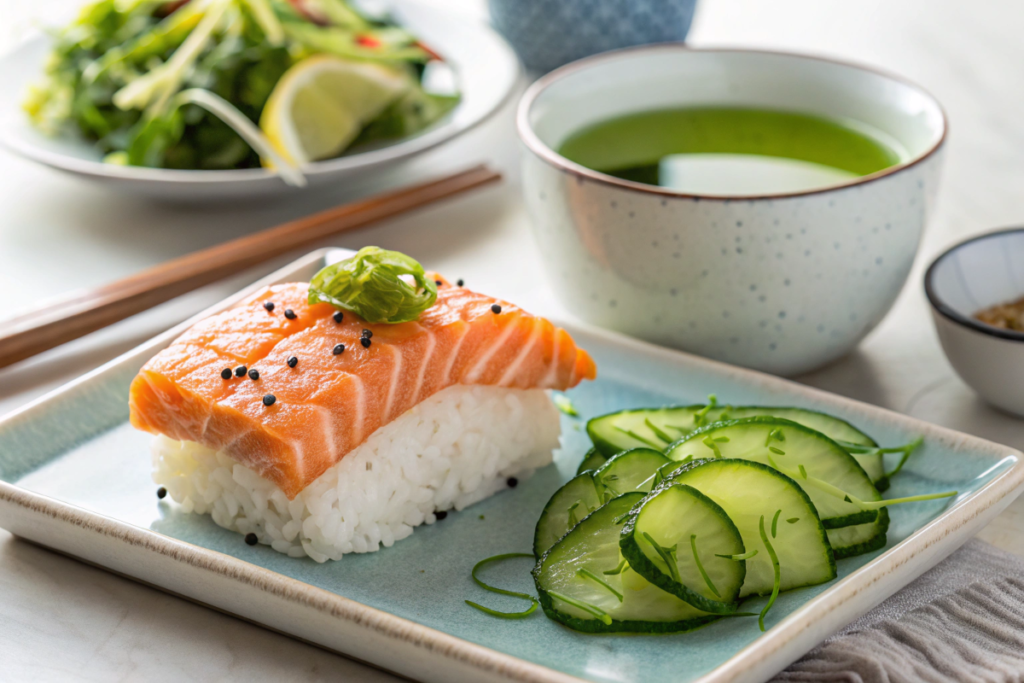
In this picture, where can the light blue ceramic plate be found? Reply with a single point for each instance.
(75, 476)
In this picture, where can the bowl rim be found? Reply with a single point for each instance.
(535, 145)
(947, 311)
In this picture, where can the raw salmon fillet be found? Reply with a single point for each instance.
(329, 404)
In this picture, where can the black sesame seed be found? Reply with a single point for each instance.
(269, 400)
(290, 314)
(251, 539)
(241, 370)
(495, 308)
(440, 514)
(339, 316)
(269, 305)
(512, 482)
(161, 493)
(339, 349)
(226, 373)
(254, 374)
(365, 341)
(437, 282)
(293, 361)
(460, 282)
(367, 333)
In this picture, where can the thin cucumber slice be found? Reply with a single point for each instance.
(794, 450)
(860, 539)
(570, 504)
(748, 491)
(591, 461)
(677, 539)
(582, 582)
(657, 427)
(632, 470)
(643, 428)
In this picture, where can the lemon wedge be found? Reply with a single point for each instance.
(321, 103)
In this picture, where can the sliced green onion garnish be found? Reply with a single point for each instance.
(373, 285)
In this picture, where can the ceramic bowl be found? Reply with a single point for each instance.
(549, 33)
(783, 283)
(971, 276)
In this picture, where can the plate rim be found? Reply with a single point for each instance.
(440, 133)
(768, 653)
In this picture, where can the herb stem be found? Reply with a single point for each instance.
(586, 573)
(778, 574)
(586, 607)
(667, 556)
(775, 523)
(494, 589)
(700, 566)
(741, 556)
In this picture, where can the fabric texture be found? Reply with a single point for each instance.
(961, 621)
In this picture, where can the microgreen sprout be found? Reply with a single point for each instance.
(775, 523)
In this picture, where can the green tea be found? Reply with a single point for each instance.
(732, 151)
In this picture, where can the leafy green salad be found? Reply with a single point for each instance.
(232, 84)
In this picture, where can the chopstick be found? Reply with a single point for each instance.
(79, 314)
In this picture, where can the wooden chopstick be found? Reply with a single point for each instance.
(80, 314)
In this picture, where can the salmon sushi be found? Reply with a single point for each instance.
(304, 427)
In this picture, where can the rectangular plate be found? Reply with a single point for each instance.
(74, 476)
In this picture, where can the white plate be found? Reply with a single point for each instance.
(486, 71)
(74, 476)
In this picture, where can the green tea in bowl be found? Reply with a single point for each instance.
(733, 150)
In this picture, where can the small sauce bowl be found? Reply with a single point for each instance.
(969, 277)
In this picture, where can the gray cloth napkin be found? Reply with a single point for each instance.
(961, 621)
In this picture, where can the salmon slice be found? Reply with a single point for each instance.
(329, 403)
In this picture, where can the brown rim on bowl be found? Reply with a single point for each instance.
(555, 159)
(947, 311)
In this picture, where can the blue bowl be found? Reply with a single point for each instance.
(549, 33)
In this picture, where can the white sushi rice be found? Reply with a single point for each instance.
(452, 450)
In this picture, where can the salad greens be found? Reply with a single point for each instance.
(372, 284)
(172, 84)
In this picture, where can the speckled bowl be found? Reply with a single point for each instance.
(783, 283)
(981, 272)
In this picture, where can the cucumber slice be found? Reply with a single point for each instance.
(575, 589)
(860, 539)
(570, 504)
(642, 428)
(840, 431)
(591, 461)
(631, 470)
(748, 491)
(788, 446)
(691, 532)
(650, 427)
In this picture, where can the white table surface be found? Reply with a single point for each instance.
(60, 619)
